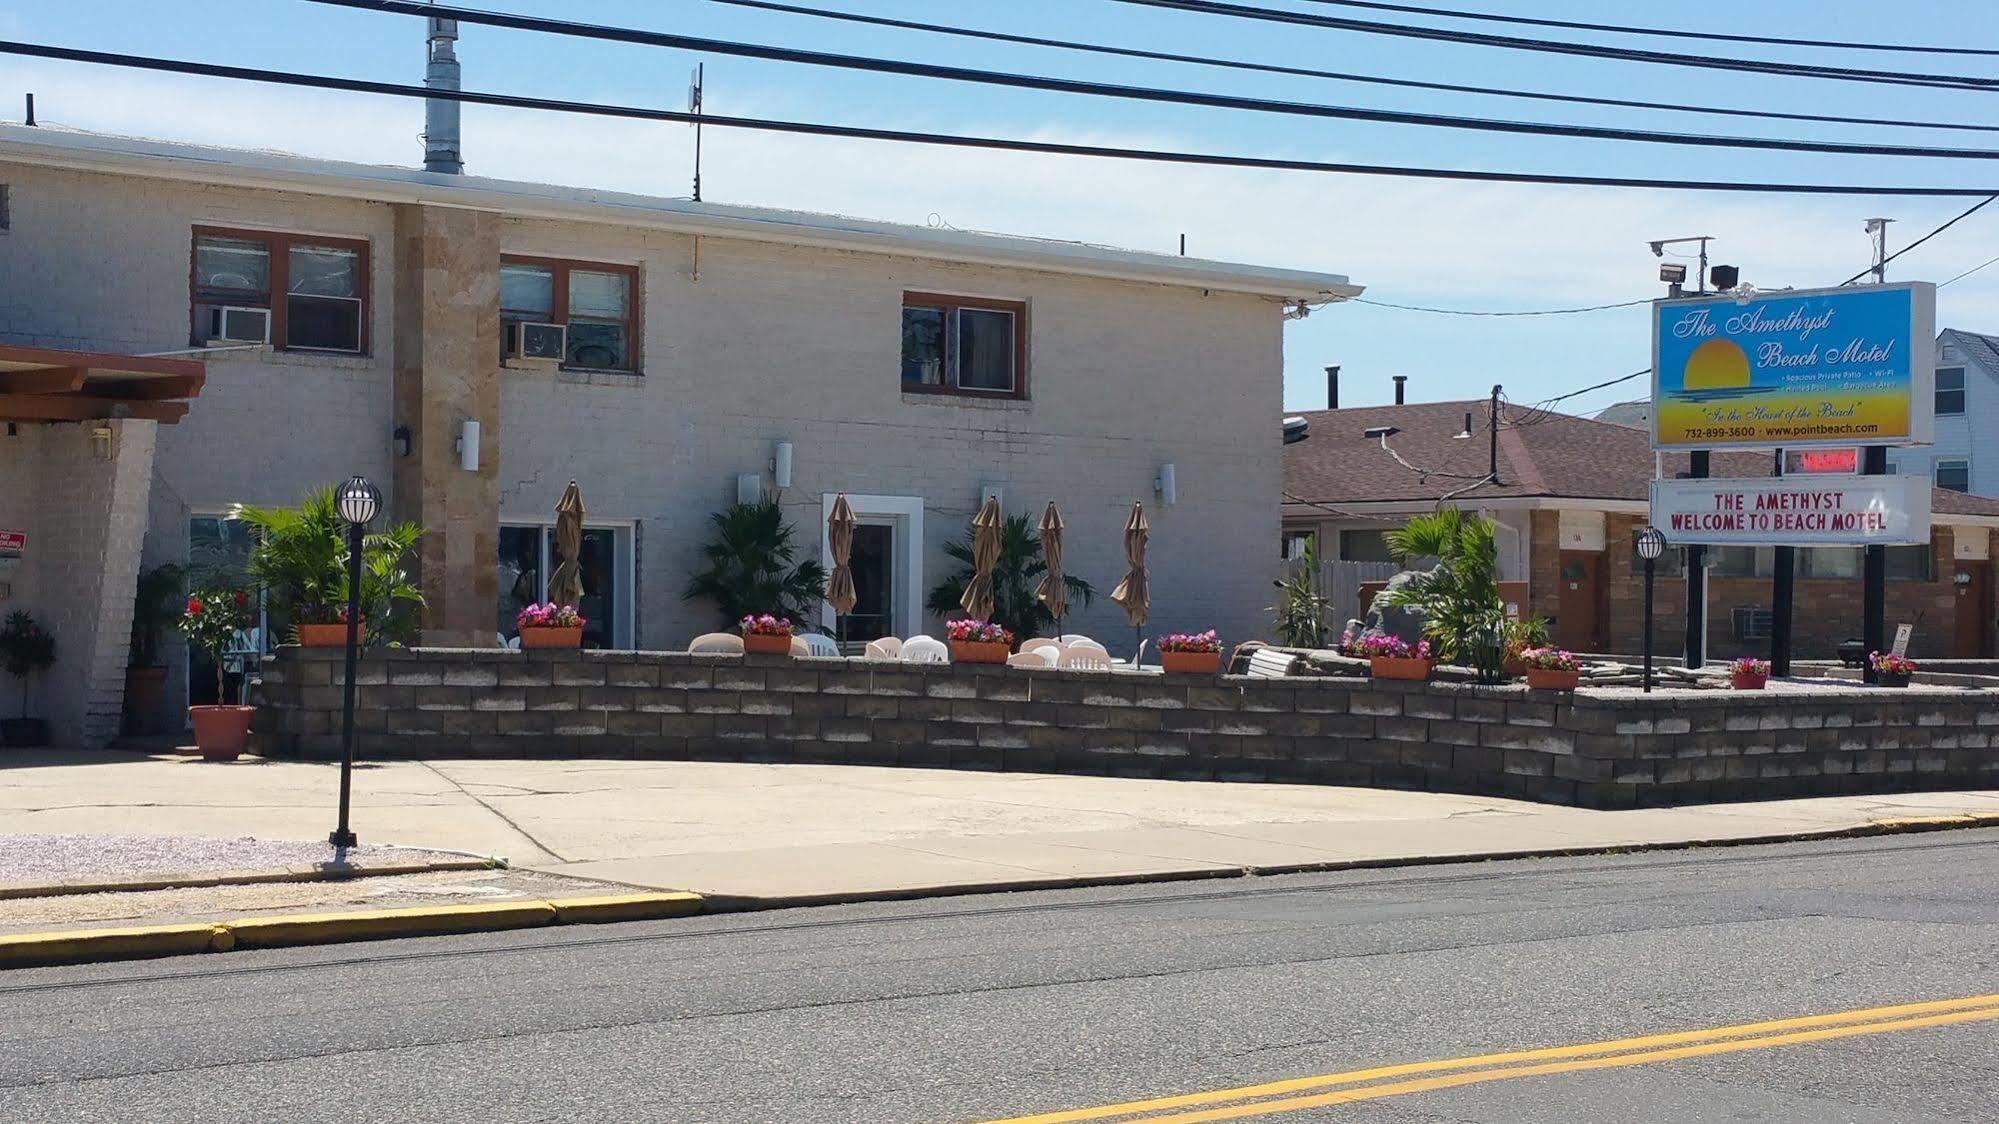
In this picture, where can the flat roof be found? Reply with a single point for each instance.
(134, 156)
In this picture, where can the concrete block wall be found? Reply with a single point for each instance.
(1589, 749)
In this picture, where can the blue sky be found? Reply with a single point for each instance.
(1410, 242)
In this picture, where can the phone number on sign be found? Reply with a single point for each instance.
(1696, 433)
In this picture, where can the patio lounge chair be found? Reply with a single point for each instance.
(886, 648)
(717, 644)
(925, 649)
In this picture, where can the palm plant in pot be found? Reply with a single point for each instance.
(301, 561)
(155, 606)
(752, 567)
(212, 620)
(25, 648)
(1459, 597)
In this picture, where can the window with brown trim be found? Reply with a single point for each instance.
(296, 292)
(964, 345)
(597, 305)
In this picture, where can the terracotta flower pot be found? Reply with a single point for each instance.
(979, 651)
(221, 731)
(145, 697)
(1515, 665)
(325, 635)
(764, 644)
(1399, 667)
(1893, 679)
(1553, 679)
(1191, 663)
(571, 637)
(1748, 681)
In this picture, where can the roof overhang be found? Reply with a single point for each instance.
(39, 384)
(383, 184)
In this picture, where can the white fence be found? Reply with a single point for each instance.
(1339, 583)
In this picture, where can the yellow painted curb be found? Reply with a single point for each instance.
(326, 928)
(1948, 819)
(624, 907)
(23, 949)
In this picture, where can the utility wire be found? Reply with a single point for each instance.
(1526, 312)
(1966, 213)
(1335, 75)
(1968, 272)
(951, 140)
(607, 33)
(1661, 32)
(1592, 50)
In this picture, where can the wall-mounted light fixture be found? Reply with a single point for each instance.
(1168, 484)
(780, 465)
(468, 445)
(100, 442)
(402, 441)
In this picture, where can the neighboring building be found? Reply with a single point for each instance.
(913, 369)
(1967, 402)
(1571, 494)
(1637, 413)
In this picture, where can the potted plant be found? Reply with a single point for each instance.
(1016, 573)
(1748, 673)
(321, 626)
(550, 626)
(1519, 634)
(1458, 597)
(1389, 656)
(25, 648)
(155, 604)
(766, 635)
(752, 566)
(1551, 669)
(978, 641)
(1891, 670)
(300, 559)
(1194, 653)
(211, 621)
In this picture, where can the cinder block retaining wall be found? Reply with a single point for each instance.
(1592, 750)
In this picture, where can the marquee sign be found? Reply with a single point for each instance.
(1810, 367)
(1787, 511)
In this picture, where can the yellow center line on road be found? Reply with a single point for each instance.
(1554, 1059)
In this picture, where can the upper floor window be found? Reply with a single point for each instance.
(1950, 392)
(595, 305)
(298, 292)
(1954, 475)
(964, 345)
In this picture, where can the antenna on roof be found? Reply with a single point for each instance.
(31, 111)
(694, 107)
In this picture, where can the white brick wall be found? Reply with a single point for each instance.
(771, 343)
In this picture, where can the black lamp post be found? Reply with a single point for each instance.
(1651, 543)
(358, 503)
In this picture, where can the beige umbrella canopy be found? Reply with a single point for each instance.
(840, 537)
(1052, 592)
(1132, 592)
(565, 586)
(987, 526)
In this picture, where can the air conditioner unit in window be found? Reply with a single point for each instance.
(539, 343)
(231, 325)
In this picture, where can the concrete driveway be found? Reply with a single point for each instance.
(831, 831)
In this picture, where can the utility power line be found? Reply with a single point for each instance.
(955, 140)
(1660, 32)
(607, 33)
(1592, 50)
(1953, 221)
(1525, 312)
(1968, 272)
(1336, 75)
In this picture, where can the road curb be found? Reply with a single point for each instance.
(24, 950)
(312, 872)
(625, 907)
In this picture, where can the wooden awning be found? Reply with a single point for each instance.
(39, 384)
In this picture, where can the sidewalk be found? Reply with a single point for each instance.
(746, 835)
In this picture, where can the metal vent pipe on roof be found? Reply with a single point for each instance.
(441, 148)
(1333, 387)
(1401, 383)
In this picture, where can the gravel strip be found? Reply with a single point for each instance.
(56, 858)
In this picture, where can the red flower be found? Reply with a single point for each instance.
(193, 605)
(241, 597)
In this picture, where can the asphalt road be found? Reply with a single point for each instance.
(976, 1009)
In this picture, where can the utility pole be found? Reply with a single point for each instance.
(1783, 596)
(694, 107)
(1492, 426)
(1879, 229)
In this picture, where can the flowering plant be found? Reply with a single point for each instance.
(322, 614)
(1190, 642)
(550, 615)
(1550, 659)
(763, 624)
(969, 631)
(1750, 666)
(1888, 663)
(212, 619)
(1381, 645)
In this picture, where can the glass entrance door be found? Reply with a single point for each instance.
(528, 558)
(873, 564)
(218, 554)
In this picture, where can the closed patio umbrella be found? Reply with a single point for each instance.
(987, 527)
(840, 537)
(565, 586)
(1132, 593)
(1052, 592)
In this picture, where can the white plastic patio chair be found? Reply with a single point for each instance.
(1086, 659)
(886, 648)
(799, 648)
(717, 644)
(1041, 643)
(1036, 657)
(1075, 640)
(925, 649)
(820, 645)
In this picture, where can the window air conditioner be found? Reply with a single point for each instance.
(231, 324)
(545, 343)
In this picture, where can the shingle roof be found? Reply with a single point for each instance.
(1541, 455)
(1982, 348)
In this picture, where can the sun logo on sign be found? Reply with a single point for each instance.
(1717, 364)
